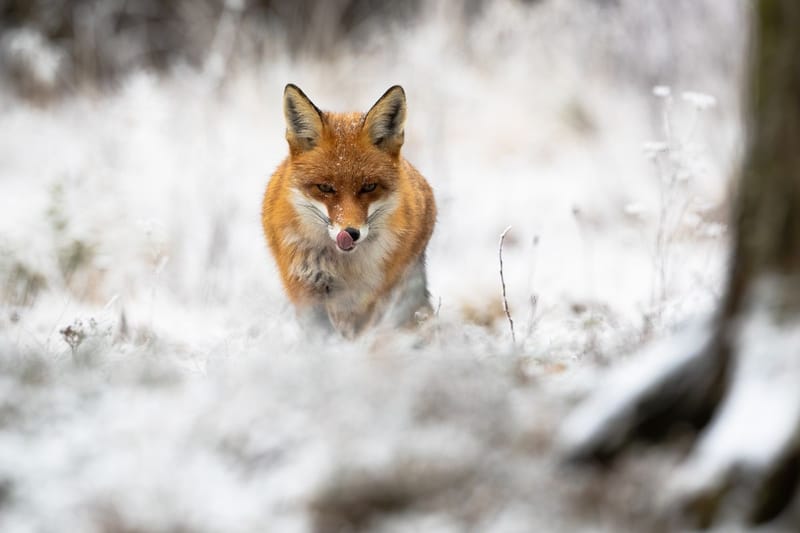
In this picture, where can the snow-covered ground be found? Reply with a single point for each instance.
(152, 376)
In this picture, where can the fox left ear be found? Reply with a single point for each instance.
(303, 119)
(384, 123)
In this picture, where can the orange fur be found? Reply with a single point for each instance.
(326, 185)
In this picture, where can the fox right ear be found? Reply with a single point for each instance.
(303, 120)
(385, 121)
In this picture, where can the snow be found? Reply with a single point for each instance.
(756, 425)
(27, 47)
(194, 400)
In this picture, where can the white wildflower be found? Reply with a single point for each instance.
(699, 100)
(662, 91)
(692, 219)
(714, 230)
(653, 148)
(634, 210)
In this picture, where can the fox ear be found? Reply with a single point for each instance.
(303, 119)
(385, 121)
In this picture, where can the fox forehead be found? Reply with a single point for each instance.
(342, 128)
(345, 156)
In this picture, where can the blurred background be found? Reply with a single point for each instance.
(154, 377)
(56, 47)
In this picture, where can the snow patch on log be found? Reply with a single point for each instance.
(608, 416)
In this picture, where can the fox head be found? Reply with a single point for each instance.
(345, 167)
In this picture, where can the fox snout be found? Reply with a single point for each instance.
(353, 232)
(348, 237)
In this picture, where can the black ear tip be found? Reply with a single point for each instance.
(396, 88)
(291, 87)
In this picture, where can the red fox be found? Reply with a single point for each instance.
(347, 218)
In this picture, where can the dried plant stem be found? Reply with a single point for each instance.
(503, 284)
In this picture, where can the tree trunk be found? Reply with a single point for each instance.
(767, 217)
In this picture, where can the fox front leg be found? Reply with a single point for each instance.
(314, 318)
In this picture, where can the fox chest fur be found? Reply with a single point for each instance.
(347, 218)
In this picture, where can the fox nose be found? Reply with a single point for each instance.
(354, 233)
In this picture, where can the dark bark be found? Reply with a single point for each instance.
(767, 217)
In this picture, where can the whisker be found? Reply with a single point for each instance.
(378, 212)
(317, 213)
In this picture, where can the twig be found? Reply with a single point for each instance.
(503, 283)
(534, 301)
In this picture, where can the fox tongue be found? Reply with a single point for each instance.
(344, 240)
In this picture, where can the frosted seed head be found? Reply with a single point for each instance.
(662, 91)
(653, 148)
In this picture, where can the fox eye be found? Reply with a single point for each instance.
(324, 187)
(369, 187)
